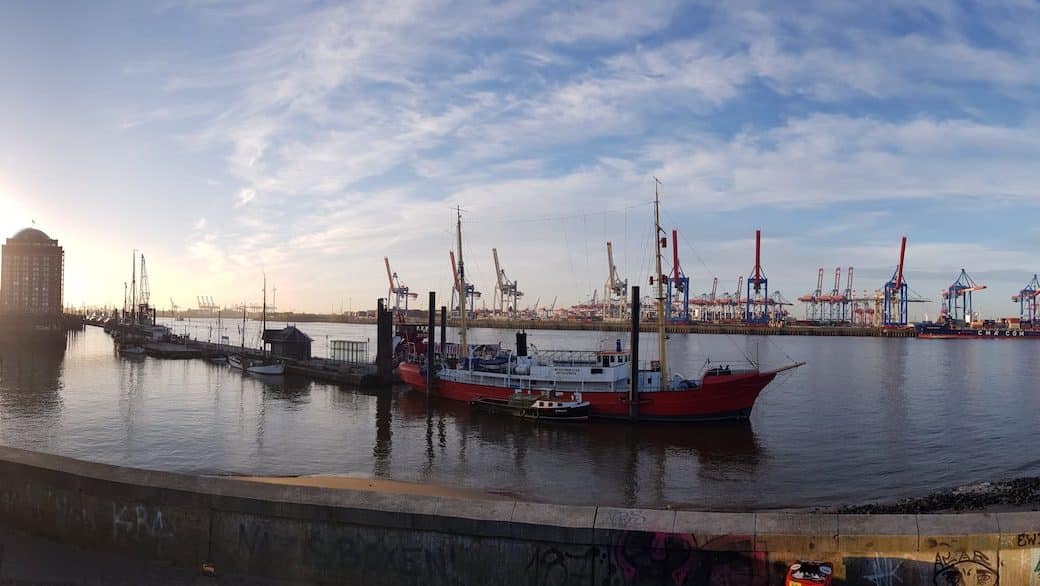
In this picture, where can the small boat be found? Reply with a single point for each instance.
(131, 350)
(251, 366)
(217, 359)
(541, 407)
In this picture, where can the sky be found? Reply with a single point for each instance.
(226, 139)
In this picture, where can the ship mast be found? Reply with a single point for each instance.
(462, 292)
(663, 355)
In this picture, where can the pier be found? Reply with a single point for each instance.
(181, 347)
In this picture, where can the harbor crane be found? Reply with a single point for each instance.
(206, 303)
(398, 292)
(757, 302)
(848, 299)
(506, 293)
(551, 309)
(957, 298)
(460, 289)
(678, 284)
(894, 311)
(813, 309)
(615, 292)
(173, 306)
(1027, 301)
(738, 298)
(834, 300)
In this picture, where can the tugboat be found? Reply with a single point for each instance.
(539, 407)
(602, 377)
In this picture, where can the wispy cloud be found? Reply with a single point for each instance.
(351, 130)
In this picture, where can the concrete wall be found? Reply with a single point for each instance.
(318, 535)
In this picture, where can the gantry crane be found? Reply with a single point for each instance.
(206, 303)
(1027, 301)
(678, 284)
(615, 292)
(757, 302)
(506, 293)
(813, 311)
(957, 298)
(847, 300)
(398, 292)
(834, 299)
(894, 311)
(460, 289)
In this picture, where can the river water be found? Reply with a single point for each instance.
(867, 419)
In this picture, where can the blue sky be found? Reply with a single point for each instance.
(309, 140)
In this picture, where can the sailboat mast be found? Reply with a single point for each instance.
(662, 353)
(462, 292)
(133, 286)
(263, 317)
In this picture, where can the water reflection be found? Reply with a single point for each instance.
(31, 375)
(632, 463)
(384, 434)
(878, 418)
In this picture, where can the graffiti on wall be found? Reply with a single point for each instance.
(964, 569)
(654, 558)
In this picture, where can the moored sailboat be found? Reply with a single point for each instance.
(267, 365)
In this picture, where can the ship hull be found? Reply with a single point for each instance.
(946, 333)
(718, 398)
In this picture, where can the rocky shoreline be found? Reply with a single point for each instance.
(1021, 494)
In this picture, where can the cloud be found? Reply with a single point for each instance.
(363, 125)
(245, 196)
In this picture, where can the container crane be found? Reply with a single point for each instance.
(756, 308)
(847, 299)
(738, 297)
(398, 292)
(460, 289)
(957, 298)
(678, 283)
(834, 300)
(712, 299)
(812, 300)
(506, 293)
(615, 292)
(894, 309)
(1027, 301)
(552, 308)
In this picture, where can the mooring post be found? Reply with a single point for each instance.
(384, 339)
(444, 332)
(430, 328)
(633, 389)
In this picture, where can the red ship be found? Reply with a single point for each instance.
(602, 377)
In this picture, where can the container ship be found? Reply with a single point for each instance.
(603, 378)
(991, 331)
